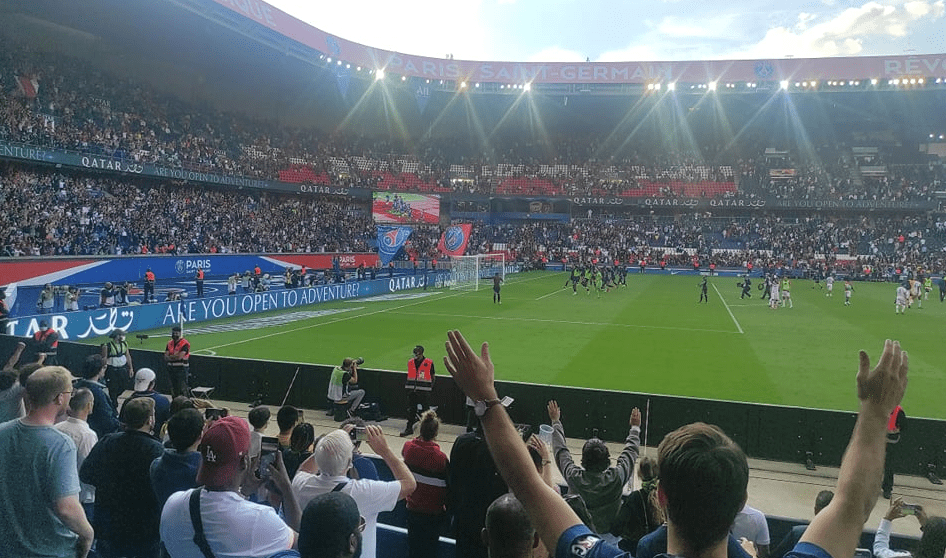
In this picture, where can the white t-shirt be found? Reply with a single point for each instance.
(85, 438)
(372, 497)
(234, 527)
(750, 523)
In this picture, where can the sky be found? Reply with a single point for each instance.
(633, 30)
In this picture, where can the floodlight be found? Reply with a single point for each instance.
(347, 66)
(329, 60)
(527, 87)
(783, 84)
(920, 81)
(462, 84)
(476, 85)
(358, 69)
(339, 62)
(657, 86)
(379, 75)
(873, 81)
(671, 86)
(403, 78)
(712, 86)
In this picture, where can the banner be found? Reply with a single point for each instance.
(9, 150)
(422, 95)
(97, 323)
(454, 240)
(686, 71)
(390, 240)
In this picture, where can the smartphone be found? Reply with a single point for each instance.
(359, 434)
(214, 414)
(265, 461)
(909, 509)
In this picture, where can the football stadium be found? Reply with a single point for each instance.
(215, 205)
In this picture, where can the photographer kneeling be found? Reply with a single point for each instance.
(340, 383)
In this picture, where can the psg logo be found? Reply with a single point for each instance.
(764, 69)
(394, 238)
(179, 266)
(454, 238)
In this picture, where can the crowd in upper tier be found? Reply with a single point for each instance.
(76, 106)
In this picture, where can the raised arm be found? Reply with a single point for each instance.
(837, 528)
(398, 468)
(549, 513)
(15, 357)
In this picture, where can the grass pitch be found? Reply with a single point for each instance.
(651, 336)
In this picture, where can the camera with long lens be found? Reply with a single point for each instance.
(359, 361)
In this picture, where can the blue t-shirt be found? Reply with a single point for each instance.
(37, 468)
(173, 472)
(579, 542)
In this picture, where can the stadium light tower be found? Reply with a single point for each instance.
(783, 84)
(379, 75)
(527, 87)
(712, 86)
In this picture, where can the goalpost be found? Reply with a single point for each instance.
(467, 272)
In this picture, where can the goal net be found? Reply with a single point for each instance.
(468, 272)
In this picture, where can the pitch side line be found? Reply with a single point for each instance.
(734, 320)
(349, 317)
(604, 324)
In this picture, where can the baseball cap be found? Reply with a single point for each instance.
(221, 448)
(143, 378)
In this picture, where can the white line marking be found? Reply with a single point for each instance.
(551, 293)
(735, 321)
(346, 318)
(603, 324)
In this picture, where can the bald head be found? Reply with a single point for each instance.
(508, 532)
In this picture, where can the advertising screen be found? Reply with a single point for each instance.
(400, 208)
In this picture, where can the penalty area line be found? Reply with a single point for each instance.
(734, 320)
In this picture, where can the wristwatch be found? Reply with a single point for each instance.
(480, 407)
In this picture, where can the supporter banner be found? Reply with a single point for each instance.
(129, 166)
(700, 71)
(454, 240)
(421, 95)
(390, 240)
(96, 323)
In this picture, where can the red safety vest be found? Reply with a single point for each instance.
(200, 274)
(41, 336)
(420, 378)
(176, 347)
(149, 276)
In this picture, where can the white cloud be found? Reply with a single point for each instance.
(845, 33)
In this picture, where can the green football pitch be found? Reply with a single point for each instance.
(652, 336)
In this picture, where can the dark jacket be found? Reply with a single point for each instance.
(126, 509)
(104, 418)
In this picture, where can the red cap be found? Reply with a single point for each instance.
(221, 448)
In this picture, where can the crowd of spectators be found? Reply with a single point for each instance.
(209, 484)
(75, 106)
(50, 213)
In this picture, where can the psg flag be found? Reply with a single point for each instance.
(390, 240)
(454, 240)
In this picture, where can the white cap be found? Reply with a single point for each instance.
(143, 379)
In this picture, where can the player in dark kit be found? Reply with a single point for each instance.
(746, 287)
(497, 281)
(574, 278)
(703, 296)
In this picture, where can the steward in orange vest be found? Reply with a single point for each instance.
(420, 382)
(47, 342)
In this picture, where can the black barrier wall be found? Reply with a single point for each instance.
(763, 431)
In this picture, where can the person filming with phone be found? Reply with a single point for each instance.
(932, 543)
